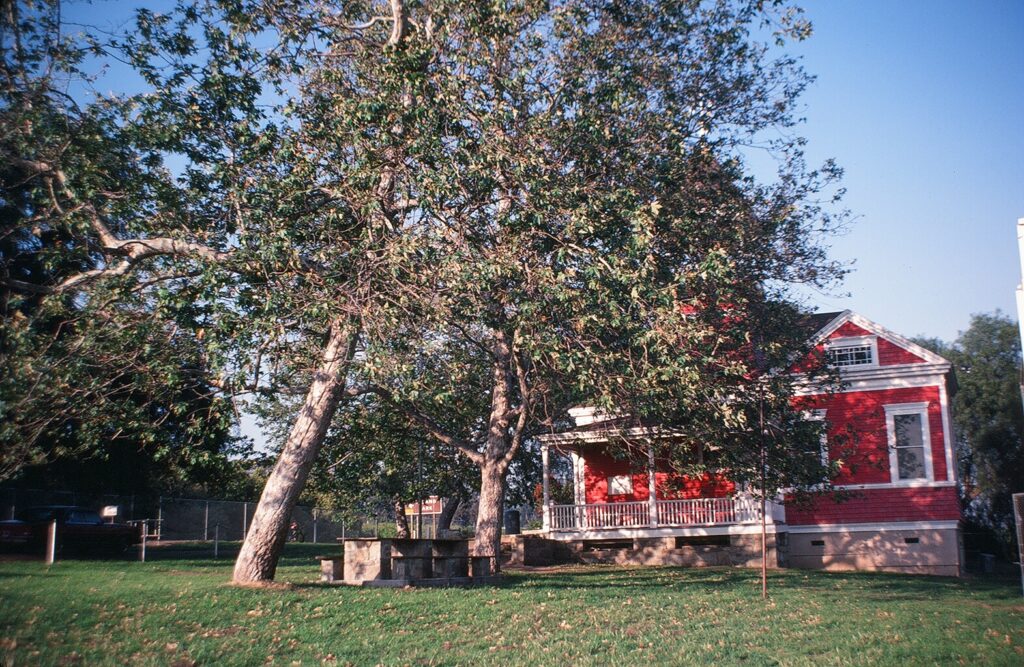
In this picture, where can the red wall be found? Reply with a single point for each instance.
(860, 418)
(599, 466)
(890, 354)
(880, 505)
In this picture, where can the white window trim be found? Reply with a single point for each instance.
(926, 440)
(855, 341)
(629, 482)
(819, 416)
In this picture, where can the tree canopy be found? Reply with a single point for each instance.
(477, 213)
(989, 419)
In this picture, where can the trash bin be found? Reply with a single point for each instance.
(512, 522)
(988, 561)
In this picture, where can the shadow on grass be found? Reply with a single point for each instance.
(883, 585)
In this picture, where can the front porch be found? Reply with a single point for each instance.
(696, 512)
(614, 499)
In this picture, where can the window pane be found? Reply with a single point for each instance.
(850, 355)
(620, 485)
(909, 446)
(84, 516)
(908, 430)
(910, 461)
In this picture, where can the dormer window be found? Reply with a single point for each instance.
(860, 351)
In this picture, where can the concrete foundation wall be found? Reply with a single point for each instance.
(741, 551)
(738, 550)
(928, 551)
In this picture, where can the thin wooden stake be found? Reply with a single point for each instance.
(51, 542)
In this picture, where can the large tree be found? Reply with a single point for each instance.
(989, 419)
(496, 209)
(92, 385)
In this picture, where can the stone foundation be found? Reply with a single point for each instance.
(701, 551)
(928, 551)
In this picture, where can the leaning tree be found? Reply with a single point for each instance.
(489, 210)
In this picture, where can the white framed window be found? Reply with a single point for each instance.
(819, 416)
(853, 352)
(910, 452)
(620, 485)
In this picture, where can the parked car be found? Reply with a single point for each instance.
(80, 531)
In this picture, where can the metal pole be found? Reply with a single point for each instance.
(764, 475)
(376, 527)
(652, 488)
(206, 522)
(51, 543)
(216, 539)
(160, 519)
(1020, 291)
(314, 525)
(419, 483)
(245, 519)
(545, 488)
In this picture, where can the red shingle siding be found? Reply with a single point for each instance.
(880, 506)
(850, 329)
(890, 354)
(861, 414)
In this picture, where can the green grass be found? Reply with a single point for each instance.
(180, 611)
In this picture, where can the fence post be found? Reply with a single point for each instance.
(206, 522)
(314, 525)
(51, 542)
(216, 539)
(160, 518)
(142, 545)
(245, 519)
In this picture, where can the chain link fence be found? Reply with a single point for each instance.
(196, 519)
(172, 519)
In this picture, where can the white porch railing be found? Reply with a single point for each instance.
(695, 512)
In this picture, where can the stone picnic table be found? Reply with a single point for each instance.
(392, 562)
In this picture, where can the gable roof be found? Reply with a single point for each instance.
(830, 322)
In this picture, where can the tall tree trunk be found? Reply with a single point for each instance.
(489, 511)
(496, 455)
(402, 531)
(257, 561)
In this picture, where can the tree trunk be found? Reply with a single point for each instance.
(401, 522)
(489, 511)
(448, 510)
(496, 456)
(257, 561)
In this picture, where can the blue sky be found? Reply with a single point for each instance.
(922, 103)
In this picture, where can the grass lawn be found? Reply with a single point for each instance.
(180, 611)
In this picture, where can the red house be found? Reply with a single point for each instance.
(902, 513)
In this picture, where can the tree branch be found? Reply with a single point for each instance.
(412, 412)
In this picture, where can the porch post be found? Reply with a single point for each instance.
(545, 486)
(652, 488)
